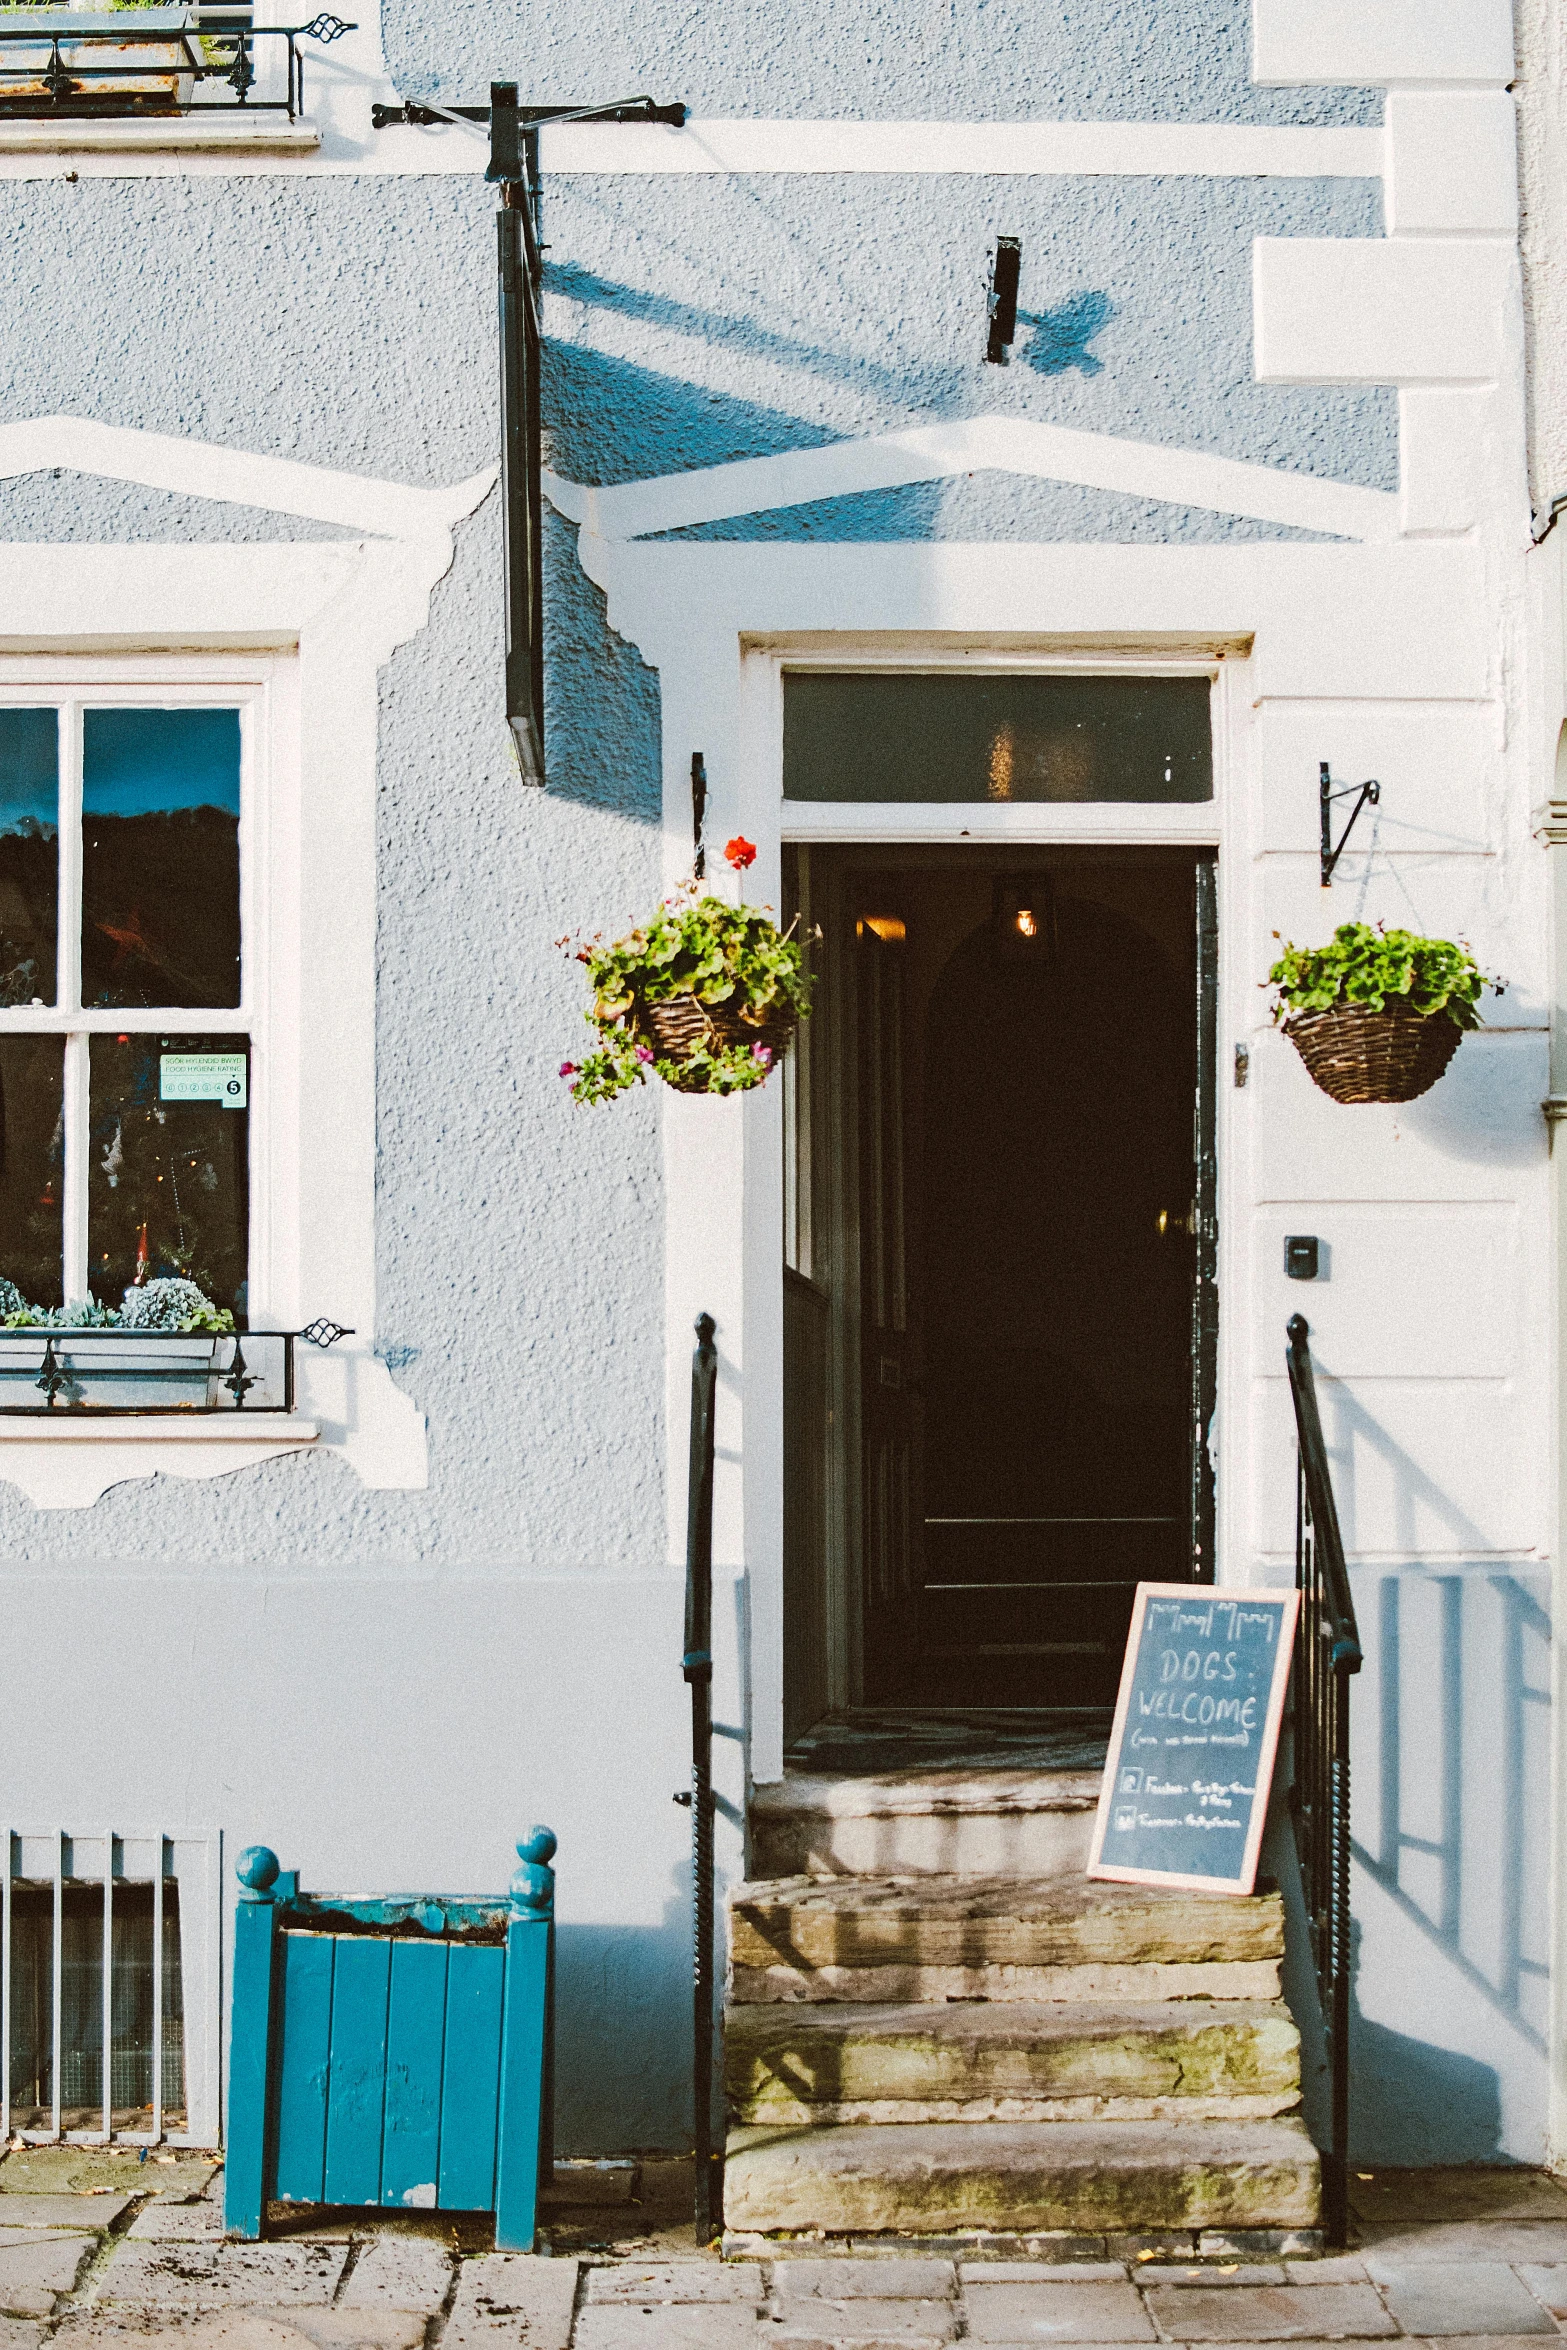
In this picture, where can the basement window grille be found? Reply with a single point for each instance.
(108, 1958)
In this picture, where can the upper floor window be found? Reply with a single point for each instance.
(125, 1026)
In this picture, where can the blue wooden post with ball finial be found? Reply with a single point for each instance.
(255, 1939)
(526, 2150)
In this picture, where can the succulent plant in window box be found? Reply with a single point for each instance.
(1376, 1014)
(706, 996)
(153, 1352)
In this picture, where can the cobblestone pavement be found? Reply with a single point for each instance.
(101, 2248)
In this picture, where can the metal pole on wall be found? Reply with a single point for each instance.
(697, 1665)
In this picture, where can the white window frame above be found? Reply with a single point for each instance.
(262, 692)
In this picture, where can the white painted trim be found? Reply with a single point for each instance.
(1047, 452)
(1382, 41)
(343, 82)
(342, 610)
(1363, 310)
(229, 134)
(71, 1467)
(204, 469)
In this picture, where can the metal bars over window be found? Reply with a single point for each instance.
(103, 1938)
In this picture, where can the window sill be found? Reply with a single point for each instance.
(174, 134)
(70, 1463)
(270, 1428)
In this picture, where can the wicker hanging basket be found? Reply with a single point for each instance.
(682, 1025)
(1358, 1055)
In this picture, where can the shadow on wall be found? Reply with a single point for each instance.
(623, 2034)
(602, 709)
(1059, 338)
(1451, 1872)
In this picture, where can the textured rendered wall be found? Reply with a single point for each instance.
(916, 60)
(388, 1686)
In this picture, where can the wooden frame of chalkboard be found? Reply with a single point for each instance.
(1196, 1733)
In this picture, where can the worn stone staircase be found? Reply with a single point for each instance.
(938, 2026)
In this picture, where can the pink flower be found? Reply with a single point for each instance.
(568, 1068)
(644, 1052)
(762, 1053)
(740, 852)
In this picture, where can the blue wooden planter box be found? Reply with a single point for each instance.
(394, 2052)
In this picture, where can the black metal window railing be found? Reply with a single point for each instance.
(173, 61)
(1327, 1652)
(108, 1372)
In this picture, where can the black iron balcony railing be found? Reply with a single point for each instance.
(154, 62)
(1327, 1652)
(103, 1373)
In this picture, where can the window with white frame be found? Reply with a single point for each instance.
(126, 993)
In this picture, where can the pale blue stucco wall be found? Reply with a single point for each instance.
(389, 1686)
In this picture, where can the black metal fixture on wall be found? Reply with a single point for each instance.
(514, 168)
(1006, 266)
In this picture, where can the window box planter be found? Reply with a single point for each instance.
(77, 62)
(112, 1370)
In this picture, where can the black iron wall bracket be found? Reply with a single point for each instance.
(1326, 797)
(1006, 264)
(622, 110)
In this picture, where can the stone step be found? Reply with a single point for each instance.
(958, 2178)
(1062, 2061)
(925, 1823)
(902, 1939)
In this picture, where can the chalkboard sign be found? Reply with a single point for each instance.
(1186, 1781)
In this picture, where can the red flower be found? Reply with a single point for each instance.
(568, 1068)
(740, 852)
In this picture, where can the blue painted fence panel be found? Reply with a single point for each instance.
(415, 2041)
(304, 2033)
(406, 2062)
(471, 2079)
(356, 2089)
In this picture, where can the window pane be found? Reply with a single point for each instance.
(168, 1185)
(133, 1987)
(32, 2006)
(997, 738)
(160, 857)
(29, 853)
(32, 1166)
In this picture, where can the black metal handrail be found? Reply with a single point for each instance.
(78, 1371)
(212, 50)
(1327, 1652)
(697, 1665)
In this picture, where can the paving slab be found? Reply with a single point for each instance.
(513, 2298)
(244, 2329)
(828, 2318)
(1536, 2241)
(173, 2223)
(1457, 2297)
(1344, 2268)
(398, 2272)
(1056, 2313)
(1410, 2197)
(34, 2269)
(1258, 2243)
(1271, 2313)
(669, 2325)
(196, 2277)
(72, 2212)
(19, 2333)
(1210, 2272)
(1042, 2272)
(1548, 2285)
(650, 2284)
(885, 2280)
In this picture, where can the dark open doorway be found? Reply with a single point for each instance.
(1000, 1350)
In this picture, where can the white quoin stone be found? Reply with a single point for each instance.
(1350, 41)
(1351, 310)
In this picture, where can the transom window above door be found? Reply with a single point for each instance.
(908, 736)
(124, 1027)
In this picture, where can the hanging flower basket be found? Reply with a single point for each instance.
(706, 996)
(1376, 1015)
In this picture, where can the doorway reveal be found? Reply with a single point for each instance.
(1000, 1305)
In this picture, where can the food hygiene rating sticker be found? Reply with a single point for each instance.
(203, 1077)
